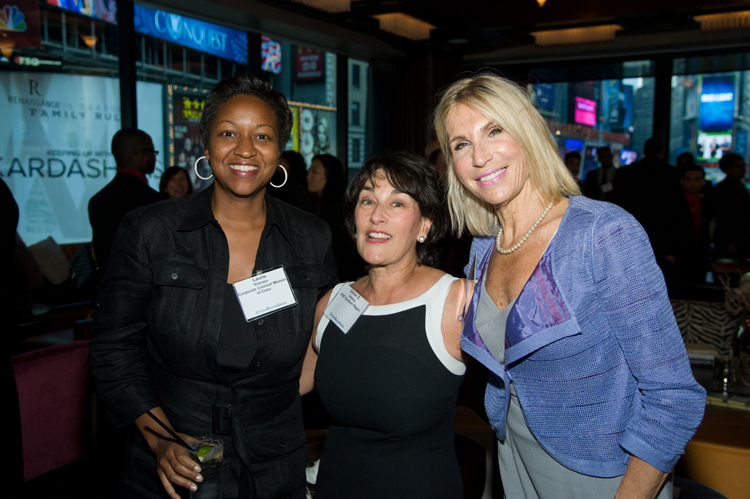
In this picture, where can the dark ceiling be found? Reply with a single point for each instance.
(480, 29)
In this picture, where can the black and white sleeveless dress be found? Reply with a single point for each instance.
(390, 386)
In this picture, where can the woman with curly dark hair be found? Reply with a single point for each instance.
(390, 379)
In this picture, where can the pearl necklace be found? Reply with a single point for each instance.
(519, 243)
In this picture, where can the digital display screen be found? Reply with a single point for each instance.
(628, 157)
(717, 103)
(585, 112)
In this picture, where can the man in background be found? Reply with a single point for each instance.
(650, 190)
(732, 210)
(598, 183)
(573, 164)
(135, 157)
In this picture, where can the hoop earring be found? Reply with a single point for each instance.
(196, 169)
(286, 177)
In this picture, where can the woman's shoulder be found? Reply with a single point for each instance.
(584, 213)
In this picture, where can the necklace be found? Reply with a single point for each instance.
(519, 243)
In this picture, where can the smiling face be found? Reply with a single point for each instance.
(389, 224)
(316, 178)
(243, 146)
(489, 162)
(178, 185)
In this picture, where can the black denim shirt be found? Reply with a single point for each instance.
(157, 324)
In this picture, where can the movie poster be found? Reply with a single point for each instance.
(187, 144)
(55, 154)
(317, 132)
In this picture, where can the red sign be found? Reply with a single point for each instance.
(19, 25)
(309, 64)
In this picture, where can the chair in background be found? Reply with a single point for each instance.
(54, 402)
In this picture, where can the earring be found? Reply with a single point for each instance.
(286, 177)
(421, 239)
(196, 169)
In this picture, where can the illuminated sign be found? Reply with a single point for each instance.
(199, 35)
(106, 11)
(19, 26)
(270, 55)
(585, 112)
(716, 108)
(309, 64)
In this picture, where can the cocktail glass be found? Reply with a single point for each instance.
(209, 454)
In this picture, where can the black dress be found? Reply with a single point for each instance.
(390, 387)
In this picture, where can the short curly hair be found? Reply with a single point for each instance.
(413, 175)
(243, 84)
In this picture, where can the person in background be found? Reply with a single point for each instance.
(693, 179)
(732, 210)
(172, 336)
(327, 181)
(591, 393)
(390, 382)
(573, 164)
(135, 157)
(684, 161)
(598, 183)
(291, 176)
(175, 182)
(650, 190)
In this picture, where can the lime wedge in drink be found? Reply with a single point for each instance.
(203, 452)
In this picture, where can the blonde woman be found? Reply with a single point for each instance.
(591, 393)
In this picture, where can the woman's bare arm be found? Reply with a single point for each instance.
(307, 376)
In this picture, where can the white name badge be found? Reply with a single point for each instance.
(265, 293)
(345, 308)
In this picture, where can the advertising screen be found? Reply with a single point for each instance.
(58, 130)
(628, 157)
(106, 10)
(585, 112)
(712, 146)
(716, 107)
(270, 55)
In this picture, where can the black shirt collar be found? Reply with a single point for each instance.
(200, 212)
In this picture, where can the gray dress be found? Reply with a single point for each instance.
(526, 470)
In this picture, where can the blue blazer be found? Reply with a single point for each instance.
(593, 348)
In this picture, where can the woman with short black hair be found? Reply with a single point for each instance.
(172, 334)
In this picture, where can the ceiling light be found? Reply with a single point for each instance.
(541, 2)
(404, 25)
(328, 5)
(575, 36)
(724, 21)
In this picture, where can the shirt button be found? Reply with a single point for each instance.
(307, 278)
(260, 322)
(257, 364)
(174, 276)
(282, 445)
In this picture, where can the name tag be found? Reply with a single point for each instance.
(265, 293)
(345, 308)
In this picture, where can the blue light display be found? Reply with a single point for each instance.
(717, 103)
(199, 35)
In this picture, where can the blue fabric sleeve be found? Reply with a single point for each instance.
(669, 403)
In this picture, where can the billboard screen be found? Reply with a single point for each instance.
(58, 130)
(717, 103)
(585, 112)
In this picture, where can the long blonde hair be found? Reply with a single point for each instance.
(505, 104)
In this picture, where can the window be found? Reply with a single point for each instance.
(355, 75)
(710, 100)
(356, 150)
(355, 114)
